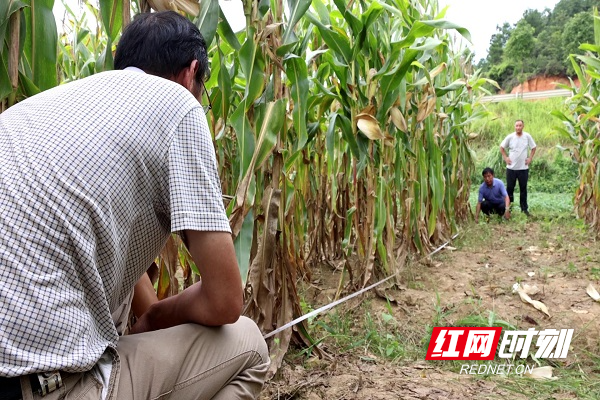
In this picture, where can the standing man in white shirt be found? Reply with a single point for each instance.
(521, 149)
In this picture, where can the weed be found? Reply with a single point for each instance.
(572, 269)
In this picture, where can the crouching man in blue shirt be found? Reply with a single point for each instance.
(493, 198)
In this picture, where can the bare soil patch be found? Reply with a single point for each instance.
(558, 256)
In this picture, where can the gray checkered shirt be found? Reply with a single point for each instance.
(94, 175)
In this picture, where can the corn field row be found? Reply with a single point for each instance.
(341, 130)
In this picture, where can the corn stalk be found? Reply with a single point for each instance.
(581, 126)
(340, 134)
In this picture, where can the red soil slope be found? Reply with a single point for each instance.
(540, 83)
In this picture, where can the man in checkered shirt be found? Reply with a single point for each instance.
(95, 176)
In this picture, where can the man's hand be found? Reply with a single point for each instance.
(507, 214)
(507, 160)
(528, 161)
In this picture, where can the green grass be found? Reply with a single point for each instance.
(553, 170)
(548, 205)
(535, 114)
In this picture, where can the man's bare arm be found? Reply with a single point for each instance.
(507, 160)
(216, 300)
(144, 296)
(530, 159)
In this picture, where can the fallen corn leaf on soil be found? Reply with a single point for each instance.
(469, 280)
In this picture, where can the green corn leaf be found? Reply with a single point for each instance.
(334, 40)
(27, 86)
(322, 10)
(225, 32)
(252, 64)
(297, 9)
(348, 135)
(263, 7)
(271, 125)
(7, 8)
(591, 113)
(208, 19)
(596, 27)
(371, 15)
(243, 245)
(354, 23)
(297, 73)
(41, 42)
(5, 85)
(111, 12)
(457, 84)
(444, 24)
(225, 87)
(591, 62)
(245, 139)
(330, 139)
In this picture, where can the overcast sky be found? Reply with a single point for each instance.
(480, 17)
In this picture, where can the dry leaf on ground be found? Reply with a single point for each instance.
(525, 298)
(541, 373)
(576, 311)
(592, 292)
(531, 290)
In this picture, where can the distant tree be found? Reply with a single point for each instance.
(579, 29)
(566, 9)
(519, 47)
(536, 19)
(497, 43)
(503, 75)
(540, 42)
(548, 54)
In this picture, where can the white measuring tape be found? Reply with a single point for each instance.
(335, 303)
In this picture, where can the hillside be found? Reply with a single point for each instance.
(540, 83)
(542, 43)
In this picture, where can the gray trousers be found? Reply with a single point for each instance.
(184, 362)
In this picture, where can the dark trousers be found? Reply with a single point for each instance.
(512, 176)
(491, 208)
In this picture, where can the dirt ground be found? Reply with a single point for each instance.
(475, 276)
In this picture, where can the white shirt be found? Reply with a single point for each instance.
(95, 175)
(517, 149)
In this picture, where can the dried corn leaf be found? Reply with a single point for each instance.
(538, 305)
(398, 119)
(369, 125)
(531, 290)
(592, 292)
(191, 7)
(577, 311)
(541, 373)
(437, 70)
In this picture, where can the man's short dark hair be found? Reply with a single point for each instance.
(162, 44)
(521, 121)
(487, 170)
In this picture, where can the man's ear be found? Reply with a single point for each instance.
(187, 75)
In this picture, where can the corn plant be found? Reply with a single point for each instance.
(340, 130)
(28, 40)
(581, 125)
